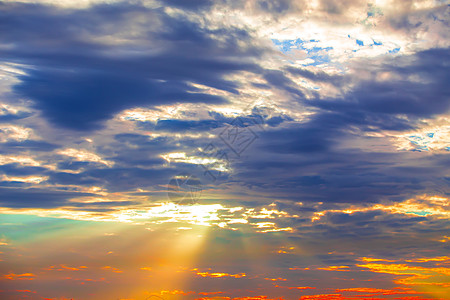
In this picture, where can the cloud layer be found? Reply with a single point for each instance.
(317, 135)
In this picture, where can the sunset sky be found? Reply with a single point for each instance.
(224, 149)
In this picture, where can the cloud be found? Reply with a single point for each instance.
(28, 145)
(35, 197)
(24, 276)
(8, 114)
(218, 274)
(85, 84)
(190, 4)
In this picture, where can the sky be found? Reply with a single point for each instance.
(227, 149)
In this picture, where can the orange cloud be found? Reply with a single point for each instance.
(404, 269)
(73, 268)
(115, 270)
(436, 280)
(241, 298)
(441, 258)
(25, 291)
(362, 290)
(296, 287)
(218, 275)
(177, 292)
(210, 293)
(338, 297)
(276, 279)
(384, 292)
(64, 267)
(286, 250)
(91, 280)
(302, 288)
(414, 298)
(24, 276)
(258, 298)
(370, 259)
(432, 205)
(213, 298)
(335, 268)
(444, 259)
(323, 297)
(85, 280)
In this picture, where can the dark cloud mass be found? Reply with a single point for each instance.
(190, 4)
(403, 96)
(317, 147)
(78, 83)
(35, 197)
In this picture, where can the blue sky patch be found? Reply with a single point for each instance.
(419, 213)
(396, 50)
(286, 46)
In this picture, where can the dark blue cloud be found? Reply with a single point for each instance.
(297, 154)
(83, 100)
(336, 175)
(36, 197)
(186, 125)
(190, 4)
(28, 145)
(379, 103)
(14, 169)
(139, 150)
(259, 116)
(79, 83)
(79, 179)
(275, 6)
(8, 117)
(278, 79)
(318, 76)
(370, 106)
